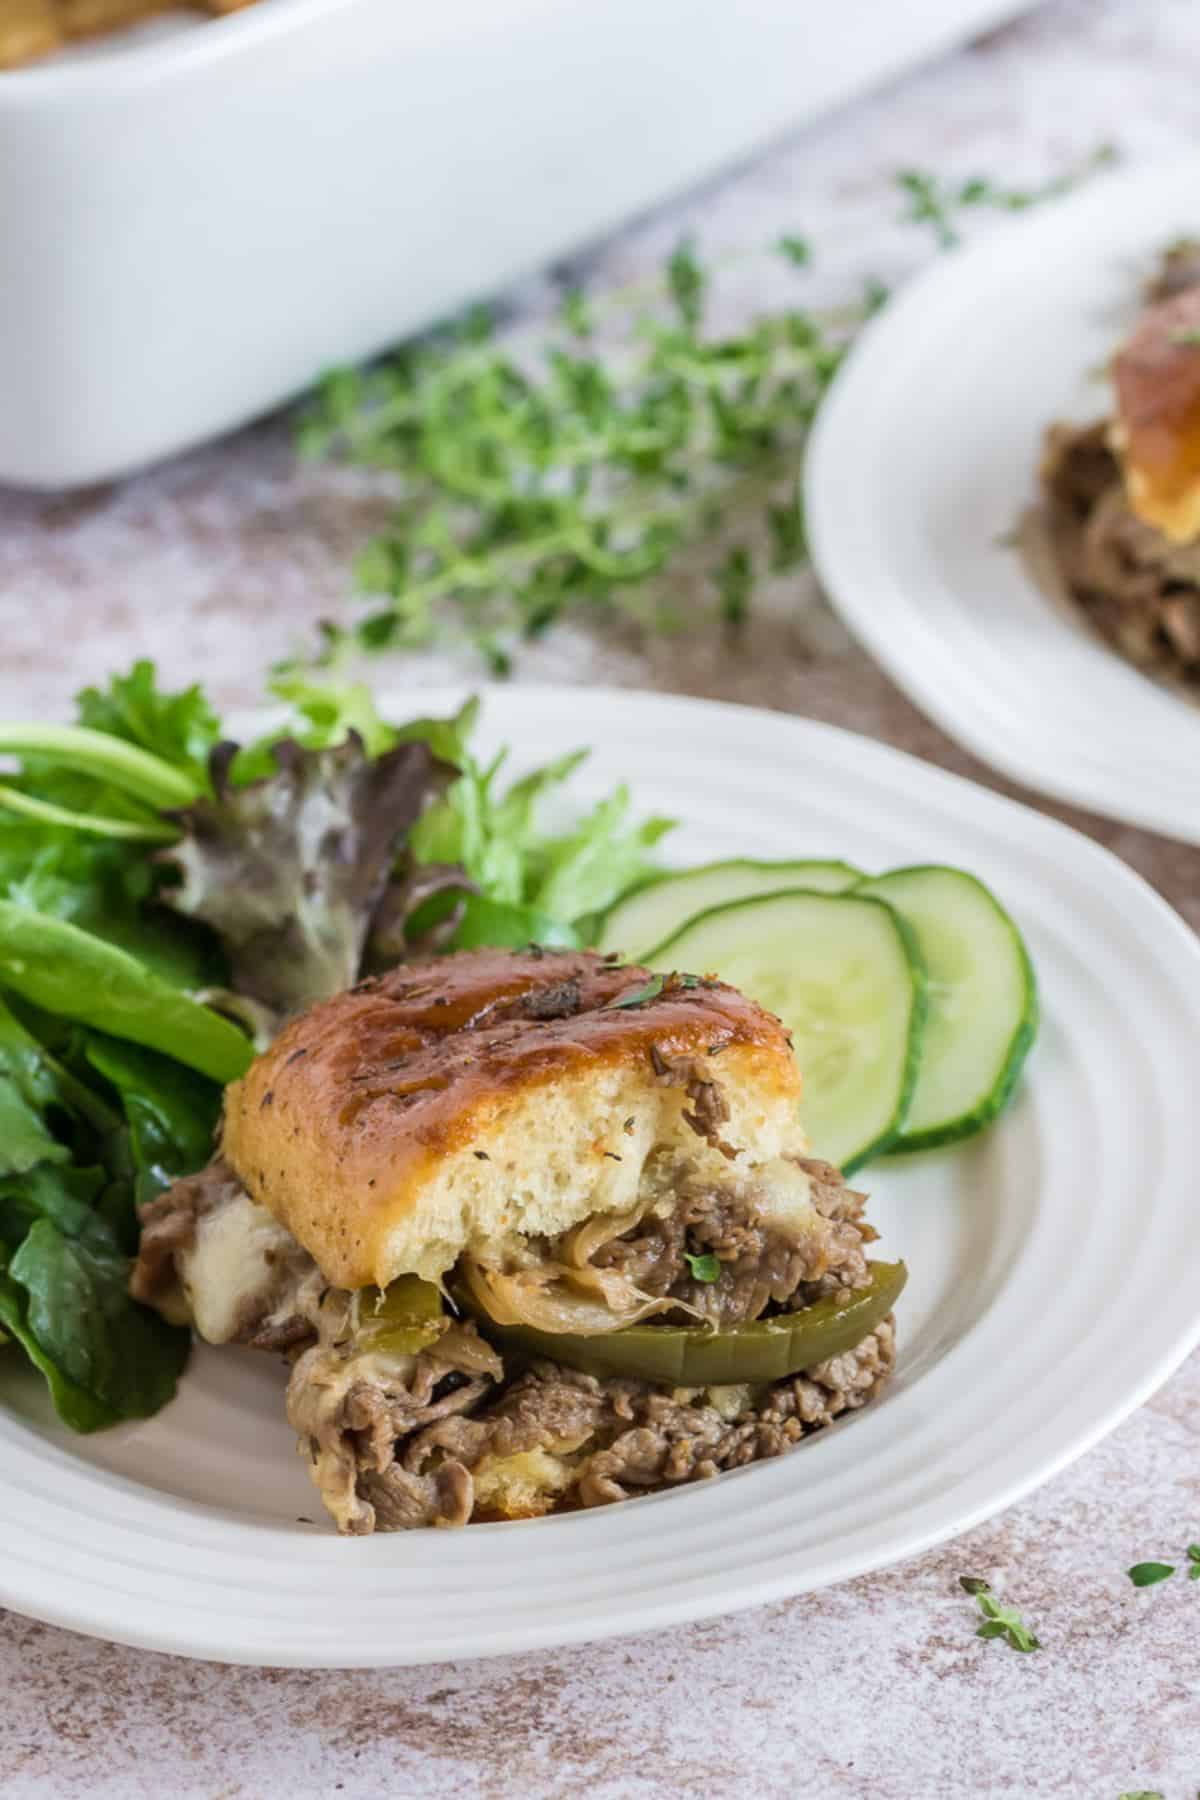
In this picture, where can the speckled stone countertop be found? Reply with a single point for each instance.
(220, 563)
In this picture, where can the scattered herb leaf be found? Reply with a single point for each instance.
(704, 1268)
(1147, 1574)
(735, 579)
(999, 1620)
(649, 990)
(797, 250)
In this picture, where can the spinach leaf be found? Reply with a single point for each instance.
(43, 1103)
(103, 884)
(67, 1197)
(172, 1112)
(78, 976)
(79, 1319)
(123, 766)
(28, 1087)
(76, 1408)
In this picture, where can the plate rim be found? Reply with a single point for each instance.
(711, 1598)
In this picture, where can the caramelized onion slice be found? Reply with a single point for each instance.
(554, 1298)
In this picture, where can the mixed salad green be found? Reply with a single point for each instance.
(165, 896)
(168, 896)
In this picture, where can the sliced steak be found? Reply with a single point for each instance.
(671, 1441)
(764, 1259)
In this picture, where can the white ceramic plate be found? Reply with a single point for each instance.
(924, 458)
(1055, 1275)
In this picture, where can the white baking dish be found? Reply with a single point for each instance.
(192, 225)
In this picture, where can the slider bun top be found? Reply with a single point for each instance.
(466, 1102)
(1157, 435)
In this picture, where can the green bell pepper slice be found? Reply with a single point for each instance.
(761, 1350)
(405, 1319)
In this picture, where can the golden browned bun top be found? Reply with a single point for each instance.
(1157, 377)
(450, 1102)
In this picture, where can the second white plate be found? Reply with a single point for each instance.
(1054, 1261)
(925, 457)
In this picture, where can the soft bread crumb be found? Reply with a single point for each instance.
(522, 1487)
(455, 1104)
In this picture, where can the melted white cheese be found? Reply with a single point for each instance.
(242, 1263)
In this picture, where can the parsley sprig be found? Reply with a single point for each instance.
(999, 1620)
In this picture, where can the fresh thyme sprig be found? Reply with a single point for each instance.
(999, 1621)
(571, 479)
(630, 445)
(938, 203)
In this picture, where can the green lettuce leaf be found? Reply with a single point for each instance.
(288, 871)
(497, 840)
(323, 715)
(588, 869)
(182, 727)
(485, 923)
(447, 738)
(87, 873)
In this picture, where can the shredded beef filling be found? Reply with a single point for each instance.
(395, 1440)
(351, 1406)
(1139, 590)
(623, 1438)
(762, 1261)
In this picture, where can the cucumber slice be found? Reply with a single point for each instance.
(844, 973)
(983, 1007)
(654, 912)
